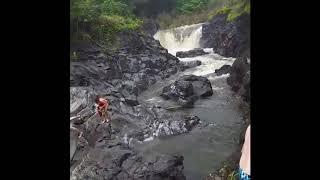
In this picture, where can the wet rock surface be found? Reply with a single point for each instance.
(189, 64)
(191, 53)
(107, 151)
(230, 39)
(187, 89)
(225, 69)
(239, 78)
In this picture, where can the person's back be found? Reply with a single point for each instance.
(245, 157)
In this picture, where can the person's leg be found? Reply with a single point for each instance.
(103, 116)
(107, 117)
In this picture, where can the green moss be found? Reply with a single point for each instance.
(247, 8)
(232, 16)
(234, 9)
(223, 10)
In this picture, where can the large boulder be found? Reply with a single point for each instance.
(238, 71)
(187, 89)
(201, 85)
(191, 53)
(225, 69)
(178, 89)
(189, 64)
(175, 127)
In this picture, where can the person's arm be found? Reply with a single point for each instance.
(105, 104)
(244, 163)
(245, 137)
(242, 147)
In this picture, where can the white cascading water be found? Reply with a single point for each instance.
(180, 39)
(186, 38)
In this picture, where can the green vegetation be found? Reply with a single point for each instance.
(238, 8)
(186, 13)
(168, 21)
(233, 176)
(189, 6)
(197, 11)
(223, 10)
(233, 8)
(100, 19)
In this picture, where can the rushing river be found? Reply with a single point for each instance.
(203, 148)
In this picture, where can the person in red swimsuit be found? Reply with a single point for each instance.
(102, 106)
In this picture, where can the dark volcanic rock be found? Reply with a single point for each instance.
(111, 154)
(245, 89)
(117, 163)
(191, 53)
(238, 70)
(138, 63)
(149, 26)
(201, 85)
(187, 89)
(239, 78)
(189, 64)
(178, 89)
(107, 152)
(169, 128)
(231, 39)
(225, 69)
(81, 102)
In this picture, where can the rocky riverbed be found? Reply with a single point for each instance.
(120, 77)
(110, 151)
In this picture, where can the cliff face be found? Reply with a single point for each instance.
(230, 39)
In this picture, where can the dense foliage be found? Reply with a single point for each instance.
(189, 12)
(198, 11)
(152, 8)
(236, 8)
(100, 19)
(188, 6)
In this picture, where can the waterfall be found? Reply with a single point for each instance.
(183, 38)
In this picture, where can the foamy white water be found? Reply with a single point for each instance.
(183, 38)
(186, 38)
